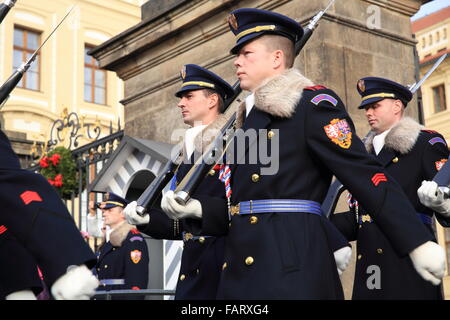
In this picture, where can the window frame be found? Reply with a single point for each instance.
(93, 67)
(25, 51)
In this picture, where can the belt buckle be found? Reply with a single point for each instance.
(234, 209)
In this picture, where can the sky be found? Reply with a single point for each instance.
(431, 7)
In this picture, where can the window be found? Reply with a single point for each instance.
(431, 40)
(438, 37)
(445, 33)
(94, 80)
(439, 98)
(423, 43)
(25, 43)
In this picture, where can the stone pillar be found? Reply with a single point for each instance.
(354, 39)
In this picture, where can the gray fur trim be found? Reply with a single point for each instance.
(278, 96)
(402, 137)
(118, 235)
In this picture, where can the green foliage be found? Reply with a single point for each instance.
(60, 170)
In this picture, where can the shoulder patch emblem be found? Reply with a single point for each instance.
(440, 164)
(324, 97)
(437, 140)
(136, 238)
(135, 256)
(339, 132)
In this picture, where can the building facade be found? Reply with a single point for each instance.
(63, 78)
(433, 40)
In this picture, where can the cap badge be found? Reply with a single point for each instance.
(233, 21)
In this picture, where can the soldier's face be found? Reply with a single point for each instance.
(383, 114)
(195, 107)
(113, 216)
(254, 63)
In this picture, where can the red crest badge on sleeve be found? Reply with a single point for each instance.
(135, 256)
(440, 164)
(339, 132)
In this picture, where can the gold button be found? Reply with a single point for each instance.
(229, 225)
(395, 160)
(224, 266)
(253, 219)
(104, 284)
(360, 226)
(359, 256)
(201, 239)
(182, 277)
(255, 177)
(198, 271)
(106, 266)
(270, 134)
(379, 251)
(212, 172)
(249, 261)
(234, 210)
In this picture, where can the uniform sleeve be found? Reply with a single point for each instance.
(136, 263)
(332, 138)
(345, 222)
(434, 157)
(161, 226)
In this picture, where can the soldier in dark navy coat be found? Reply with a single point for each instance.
(19, 279)
(36, 216)
(202, 96)
(123, 259)
(276, 245)
(410, 154)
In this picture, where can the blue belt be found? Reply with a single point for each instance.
(276, 205)
(111, 282)
(189, 236)
(426, 219)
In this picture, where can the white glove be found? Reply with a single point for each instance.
(429, 261)
(133, 217)
(78, 283)
(21, 295)
(342, 258)
(432, 197)
(174, 210)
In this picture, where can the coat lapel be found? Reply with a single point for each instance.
(256, 120)
(385, 156)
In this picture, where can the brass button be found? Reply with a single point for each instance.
(229, 225)
(360, 226)
(270, 134)
(224, 266)
(106, 266)
(212, 172)
(234, 210)
(253, 220)
(104, 284)
(359, 256)
(255, 177)
(198, 271)
(182, 277)
(379, 251)
(249, 261)
(395, 160)
(201, 239)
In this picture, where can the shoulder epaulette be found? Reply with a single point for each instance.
(315, 88)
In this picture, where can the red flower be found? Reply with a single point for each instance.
(44, 162)
(55, 159)
(58, 180)
(51, 181)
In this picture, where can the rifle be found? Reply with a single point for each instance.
(213, 155)
(336, 188)
(5, 7)
(14, 79)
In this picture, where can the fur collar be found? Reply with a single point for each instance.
(278, 96)
(119, 234)
(401, 138)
